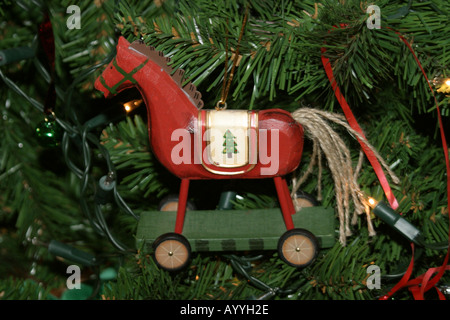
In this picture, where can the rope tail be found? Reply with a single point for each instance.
(325, 140)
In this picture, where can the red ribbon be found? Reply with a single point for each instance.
(403, 282)
(47, 39)
(424, 282)
(355, 126)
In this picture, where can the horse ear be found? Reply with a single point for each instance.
(123, 42)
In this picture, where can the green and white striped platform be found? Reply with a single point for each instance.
(235, 230)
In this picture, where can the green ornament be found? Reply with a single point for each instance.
(49, 133)
(84, 292)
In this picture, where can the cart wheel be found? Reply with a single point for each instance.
(298, 247)
(303, 200)
(170, 203)
(172, 251)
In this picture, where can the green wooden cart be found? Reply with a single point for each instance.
(236, 230)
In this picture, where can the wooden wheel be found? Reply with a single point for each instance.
(172, 251)
(304, 200)
(298, 247)
(170, 203)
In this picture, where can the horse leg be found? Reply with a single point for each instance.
(182, 200)
(287, 193)
(287, 207)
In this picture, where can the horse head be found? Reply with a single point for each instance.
(118, 75)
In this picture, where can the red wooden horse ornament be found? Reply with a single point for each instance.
(194, 143)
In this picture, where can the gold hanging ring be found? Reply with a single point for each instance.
(219, 103)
